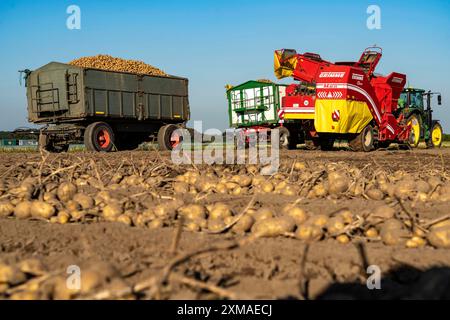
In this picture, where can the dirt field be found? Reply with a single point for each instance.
(124, 235)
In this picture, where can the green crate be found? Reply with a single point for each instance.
(254, 103)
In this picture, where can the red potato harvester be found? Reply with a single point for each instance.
(350, 102)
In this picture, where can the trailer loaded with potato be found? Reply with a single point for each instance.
(106, 109)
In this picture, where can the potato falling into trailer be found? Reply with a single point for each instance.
(107, 103)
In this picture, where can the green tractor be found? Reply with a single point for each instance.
(412, 104)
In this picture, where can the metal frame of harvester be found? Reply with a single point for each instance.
(350, 101)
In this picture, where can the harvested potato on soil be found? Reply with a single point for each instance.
(244, 224)
(295, 212)
(23, 210)
(439, 236)
(309, 232)
(6, 209)
(272, 227)
(41, 209)
(393, 232)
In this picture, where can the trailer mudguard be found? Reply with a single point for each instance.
(341, 116)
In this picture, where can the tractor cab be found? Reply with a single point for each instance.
(411, 98)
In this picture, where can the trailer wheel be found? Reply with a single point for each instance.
(99, 136)
(168, 138)
(436, 136)
(414, 134)
(363, 141)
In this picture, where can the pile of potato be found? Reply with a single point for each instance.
(163, 199)
(107, 62)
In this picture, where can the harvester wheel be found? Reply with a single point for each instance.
(363, 141)
(168, 138)
(436, 136)
(99, 136)
(284, 138)
(414, 134)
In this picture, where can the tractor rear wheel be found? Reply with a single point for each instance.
(436, 136)
(168, 139)
(99, 136)
(364, 140)
(414, 134)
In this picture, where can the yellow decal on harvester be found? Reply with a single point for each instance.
(341, 116)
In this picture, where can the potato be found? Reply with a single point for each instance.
(42, 209)
(155, 223)
(63, 217)
(266, 187)
(319, 190)
(90, 279)
(404, 188)
(337, 183)
(76, 215)
(66, 191)
(371, 233)
(415, 242)
(164, 210)
(72, 205)
(272, 227)
(375, 194)
(60, 289)
(219, 210)
(343, 238)
(244, 180)
(309, 232)
(345, 214)
(422, 186)
(381, 214)
(32, 266)
(23, 209)
(295, 212)
(85, 201)
(6, 208)
(439, 237)
(263, 213)
(393, 232)
(25, 295)
(112, 211)
(192, 226)
(222, 188)
(244, 224)
(193, 211)
(11, 275)
(290, 190)
(319, 220)
(228, 220)
(258, 180)
(123, 218)
(215, 225)
(299, 166)
(335, 226)
(180, 187)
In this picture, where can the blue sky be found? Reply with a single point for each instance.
(214, 43)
